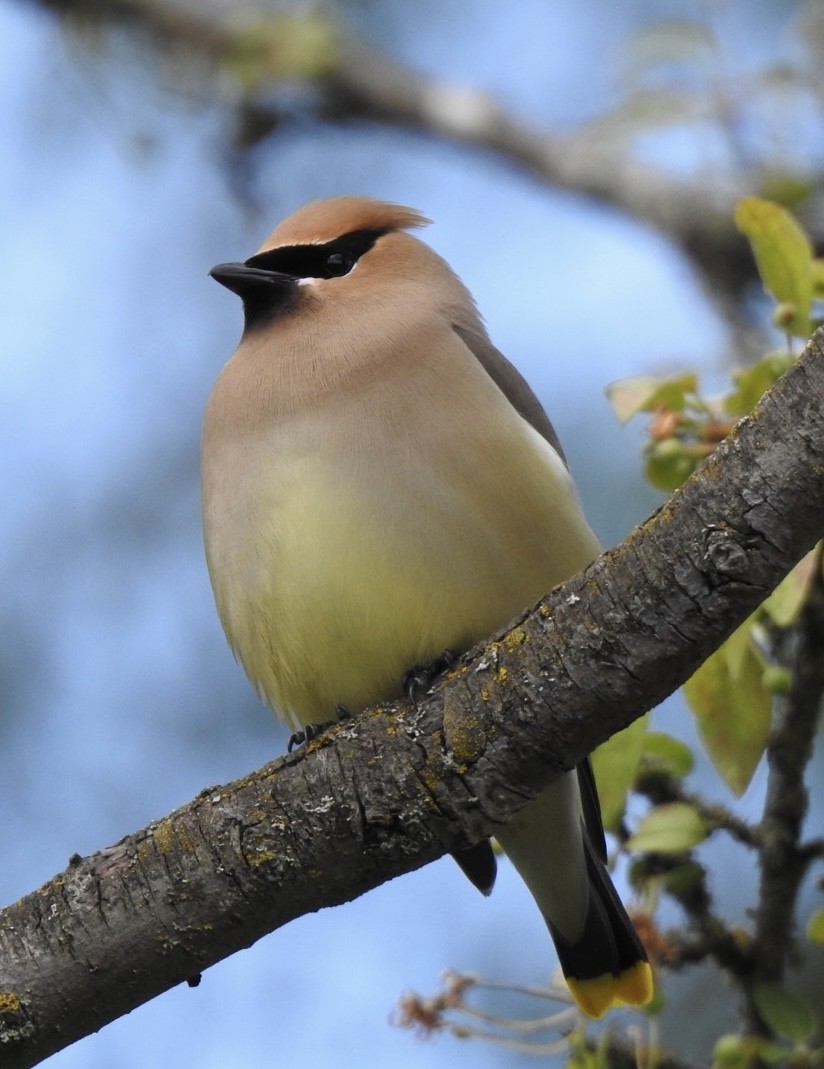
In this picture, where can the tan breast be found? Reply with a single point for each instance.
(352, 538)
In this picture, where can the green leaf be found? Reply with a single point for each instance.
(783, 254)
(815, 927)
(773, 1054)
(784, 604)
(645, 393)
(817, 268)
(684, 878)
(732, 708)
(739, 645)
(669, 464)
(751, 383)
(730, 1052)
(665, 754)
(785, 1014)
(615, 764)
(739, 1052)
(672, 828)
(777, 679)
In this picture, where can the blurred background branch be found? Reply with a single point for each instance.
(280, 64)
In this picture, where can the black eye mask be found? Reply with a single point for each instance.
(266, 282)
(330, 260)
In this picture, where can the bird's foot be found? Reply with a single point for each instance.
(311, 731)
(420, 677)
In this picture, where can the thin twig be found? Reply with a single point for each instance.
(660, 788)
(784, 860)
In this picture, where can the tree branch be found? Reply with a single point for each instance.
(707, 935)
(401, 785)
(783, 858)
(661, 788)
(596, 162)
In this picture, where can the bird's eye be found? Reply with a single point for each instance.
(337, 263)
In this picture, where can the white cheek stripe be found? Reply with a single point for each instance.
(311, 280)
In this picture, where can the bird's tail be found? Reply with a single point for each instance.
(607, 964)
(600, 953)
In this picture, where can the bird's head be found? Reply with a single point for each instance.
(328, 250)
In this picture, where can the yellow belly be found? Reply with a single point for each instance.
(337, 566)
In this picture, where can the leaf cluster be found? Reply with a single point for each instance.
(734, 696)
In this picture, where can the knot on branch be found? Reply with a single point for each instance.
(725, 556)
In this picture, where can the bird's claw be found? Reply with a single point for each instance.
(311, 731)
(420, 677)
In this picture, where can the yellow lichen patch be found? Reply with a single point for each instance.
(502, 674)
(455, 672)
(9, 1002)
(262, 857)
(168, 838)
(430, 779)
(516, 637)
(463, 732)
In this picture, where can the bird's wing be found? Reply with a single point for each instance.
(520, 395)
(512, 385)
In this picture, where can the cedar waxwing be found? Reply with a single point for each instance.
(380, 485)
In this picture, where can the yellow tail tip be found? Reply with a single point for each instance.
(632, 987)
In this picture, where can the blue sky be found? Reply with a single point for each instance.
(121, 697)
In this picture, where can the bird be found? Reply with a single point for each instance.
(380, 485)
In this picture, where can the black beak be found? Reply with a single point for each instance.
(246, 281)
